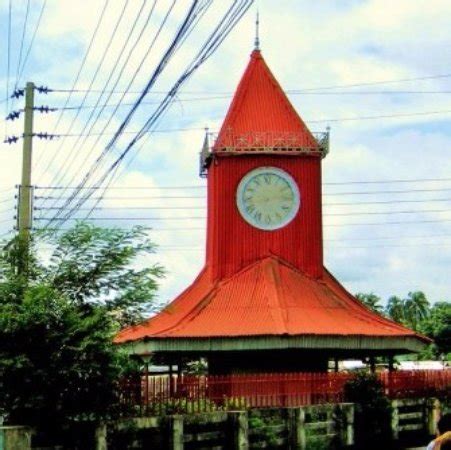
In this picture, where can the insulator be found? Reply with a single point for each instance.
(13, 115)
(43, 89)
(18, 93)
(11, 140)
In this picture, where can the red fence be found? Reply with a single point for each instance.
(168, 394)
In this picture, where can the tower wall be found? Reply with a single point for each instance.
(233, 244)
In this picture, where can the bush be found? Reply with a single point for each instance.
(372, 411)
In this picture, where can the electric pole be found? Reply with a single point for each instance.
(25, 188)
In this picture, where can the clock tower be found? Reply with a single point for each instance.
(264, 301)
(264, 181)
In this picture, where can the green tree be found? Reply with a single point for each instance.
(372, 411)
(437, 326)
(416, 309)
(57, 360)
(371, 301)
(395, 309)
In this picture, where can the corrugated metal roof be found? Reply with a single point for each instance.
(266, 298)
(261, 116)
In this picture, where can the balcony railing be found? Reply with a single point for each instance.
(265, 142)
(164, 393)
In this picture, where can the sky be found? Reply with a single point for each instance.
(375, 71)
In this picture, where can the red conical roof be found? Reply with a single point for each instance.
(261, 116)
(267, 298)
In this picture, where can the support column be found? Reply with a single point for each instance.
(372, 364)
(391, 365)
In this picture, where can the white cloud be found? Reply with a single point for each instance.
(306, 45)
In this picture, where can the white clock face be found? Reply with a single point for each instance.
(268, 198)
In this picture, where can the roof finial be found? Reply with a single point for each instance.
(257, 37)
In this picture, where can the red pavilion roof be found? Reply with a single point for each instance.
(266, 298)
(261, 117)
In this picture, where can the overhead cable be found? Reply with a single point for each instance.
(232, 16)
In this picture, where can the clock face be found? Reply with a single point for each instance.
(268, 198)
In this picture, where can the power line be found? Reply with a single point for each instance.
(22, 42)
(376, 213)
(223, 28)
(341, 86)
(203, 187)
(80, 69)
(330, 120)
(91, 83)
(27, 54)
(204, 197)
(338, 119)
(131, 81)
(346, 214)
(182, 218)
(386, 192)
(328, 183)
(8, 63)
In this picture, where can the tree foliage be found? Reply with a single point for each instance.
(372, 411)
(415, 312)
(371, 301)
(57, 359)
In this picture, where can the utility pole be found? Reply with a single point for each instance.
(25, 189)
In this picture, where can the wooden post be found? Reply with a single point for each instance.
(239, 427)
(175, 431)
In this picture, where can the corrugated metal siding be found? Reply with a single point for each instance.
(267, 298)
(232, 243)
(260, 105)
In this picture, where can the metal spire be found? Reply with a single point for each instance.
(257, 37)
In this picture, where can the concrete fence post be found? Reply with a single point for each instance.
(301, 436)
(15, 438)
(395, 419)
(433, 414)
(291, 428)
(175, 430)
(348, 428)
(101, 437)
(239, 426)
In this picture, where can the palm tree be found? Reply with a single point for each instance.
(395, 309)
(416, 307)
(371, 301)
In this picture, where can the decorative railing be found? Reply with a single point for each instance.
(265, 142)
(165, 393)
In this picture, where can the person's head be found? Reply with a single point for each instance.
(444, 424)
